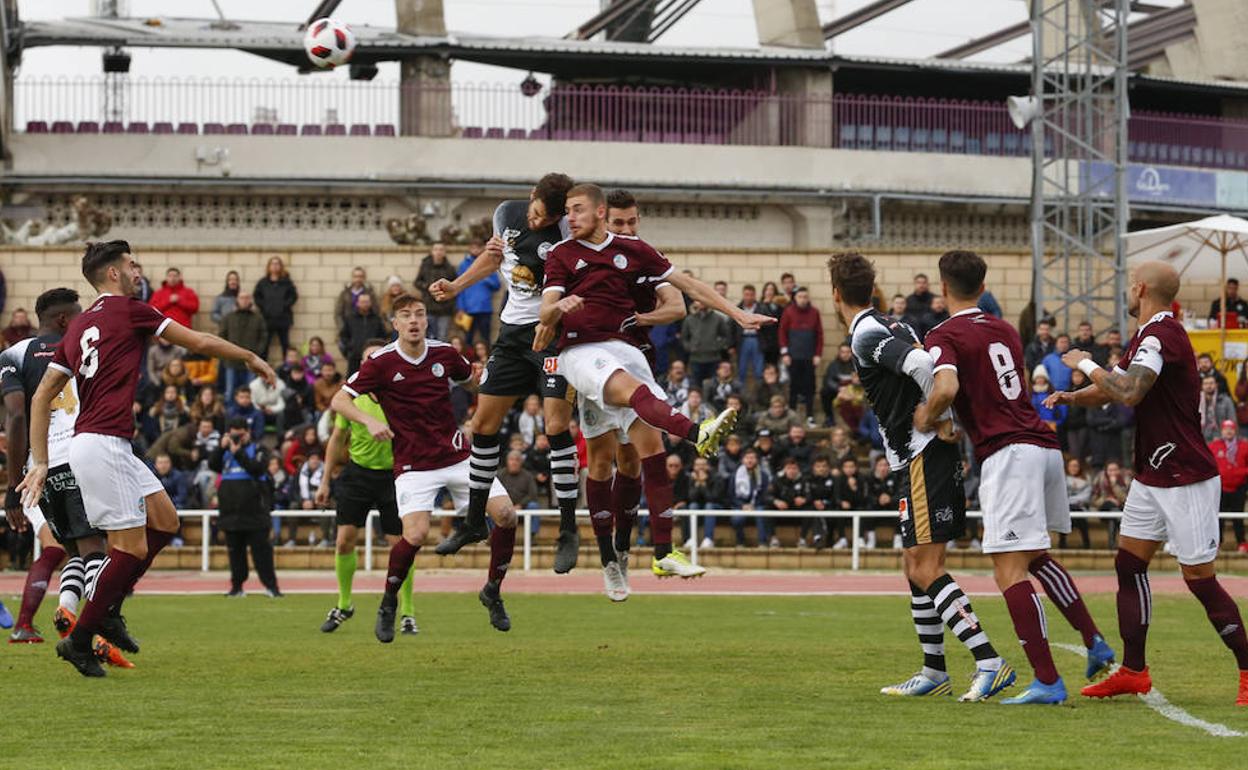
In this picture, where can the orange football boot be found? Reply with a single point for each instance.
(108, 653)
(1124, 681)
(64, 620)
(1242, 700)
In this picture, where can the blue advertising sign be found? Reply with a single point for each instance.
(1167, 184)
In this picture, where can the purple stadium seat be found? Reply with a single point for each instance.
(88, 127)
(138, 127)
(36, 127)
(310, 129)
(517, 133)
(473, 132)
(561, 134)
(113, 127)
(583, 135)
(236, 129)
(335, 129)
(287, 129)
(384, 129)
(188, 128)
(361, 129)
(62, 127)
(263, 129)
(214, 128)
(494, 133)
(162, 127)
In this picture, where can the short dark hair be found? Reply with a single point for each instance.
(917, 276)
(620, 199)
(1233, 280)
(748, 287)
(854, 275)
(243, 389)
(786, 275)
(592, 191)
(54, 298)
(99, 256)
(790, 461)
(404, 301)
(964, 271)
(238, 423)
(375, 341)
(552, 190)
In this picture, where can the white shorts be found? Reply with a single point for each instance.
(1187, 516)
(596, 422)
(1022, 492)
(114, 483)
(36, 518)
(588, 366)
(417, 491)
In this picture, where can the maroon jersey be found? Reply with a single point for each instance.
(605, 276)
(993, 402)
(1170, 450)
(415, 395)
(103, 348)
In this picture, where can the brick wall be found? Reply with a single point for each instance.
(319, 276)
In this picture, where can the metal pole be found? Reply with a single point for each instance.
(693, 537)
(205, 535)
(854, 556)
(528, 539)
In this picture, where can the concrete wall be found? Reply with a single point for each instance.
(321, 275)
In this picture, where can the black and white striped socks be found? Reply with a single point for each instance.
(955, 610)
(482, 468)
(563, 473)
(931, 631)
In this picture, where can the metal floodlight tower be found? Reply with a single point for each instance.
(1079, 155)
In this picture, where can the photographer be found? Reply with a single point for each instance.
(245, 502)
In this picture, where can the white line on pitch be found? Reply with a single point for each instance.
(1157, 702)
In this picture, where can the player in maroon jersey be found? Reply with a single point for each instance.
(411, 379)
(978, 370)
(102, 349)
(586, 277)
(1175, 494)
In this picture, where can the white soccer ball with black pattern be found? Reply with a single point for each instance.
(329, 43)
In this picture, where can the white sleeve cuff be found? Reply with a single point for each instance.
(1087, 366)
(63, 370)
(161, 329)
(559, 289)
(944, 368)
(350, 390)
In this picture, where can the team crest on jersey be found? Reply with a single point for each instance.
(543, 249)
(600, 363)
(620, 261)
(438, 370)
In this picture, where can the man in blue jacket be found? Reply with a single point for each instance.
(478, 299)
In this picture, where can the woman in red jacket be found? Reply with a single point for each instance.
(1231, 453)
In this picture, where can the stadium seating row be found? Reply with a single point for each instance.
(258, 129)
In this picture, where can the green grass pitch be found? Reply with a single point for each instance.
(661, 681)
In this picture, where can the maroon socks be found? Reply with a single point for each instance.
(599, 498)
(662, 415)
(502, 546)
(1224, 615)
(1135, 607)
(659, 500)
(625, 497)
(1060, 587)
(402, 554)
(1032, 628)
(37, 578)
(119, 573)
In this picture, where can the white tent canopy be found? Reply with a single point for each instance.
(1202, 251)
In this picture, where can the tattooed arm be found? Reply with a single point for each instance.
(1127, 387)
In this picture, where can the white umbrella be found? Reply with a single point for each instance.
(1197, 250)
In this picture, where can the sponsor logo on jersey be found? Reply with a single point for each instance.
(580, 263)
(550, 364)
(620, 261)
(398, 377)
(438, 370)
(903, 510)
(943, 515)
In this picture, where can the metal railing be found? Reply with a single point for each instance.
(585, 113)
(526, 519)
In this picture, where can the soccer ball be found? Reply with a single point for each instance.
(329, 43)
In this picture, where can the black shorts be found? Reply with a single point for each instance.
(933, 500)
(359, 490)
(62, 507)
(516, 369)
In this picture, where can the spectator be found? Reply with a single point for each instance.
(706, 493)
(1105, 426)
(519, 482)
(1077, 421)
(243, 409)
(1059, 373)
(142, 286)
(1079, 491)
(729, 459)
(695, 409)
(1109, 493)
(537, 462)
(178, 443)
(478, 299)
(225, 302)
(173, 480)
(705, 336)
(299, 448)
(745, 421)
(246, 505)
(175, 299)
(850, 405)
(749, 349)
(822, 498)
(749, 493)
(1112, 346)
(837, 374)
(763, 393)
(790, 492)
(169, 412)
(989, 304)
(1234, 304)
(1205, 368)
(769, 335)
(851, 494)
(1231, 453)
(677, 384)
(208, 405)
(788, 288)
(1054, 417)
(204, 480)
(897, 308)
(1241, 398)
(435, 267)
(299, 397)
(326, 385)
(801, 344)
(159, 353)
(271, 401)
(275, 296)
(679, 478)
(316, 357)
(765, 445)
(920, 300)
(715, 390)
(311, 474)
(19, 328)
(247, 329)
(394, 290)
(778, 418)
(839, 447)
(348, 298)
(1042, 345)
(176, 374)
(882, 495)
(1215, 408)
(794, 446)
(361, 325)
(935, 316)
